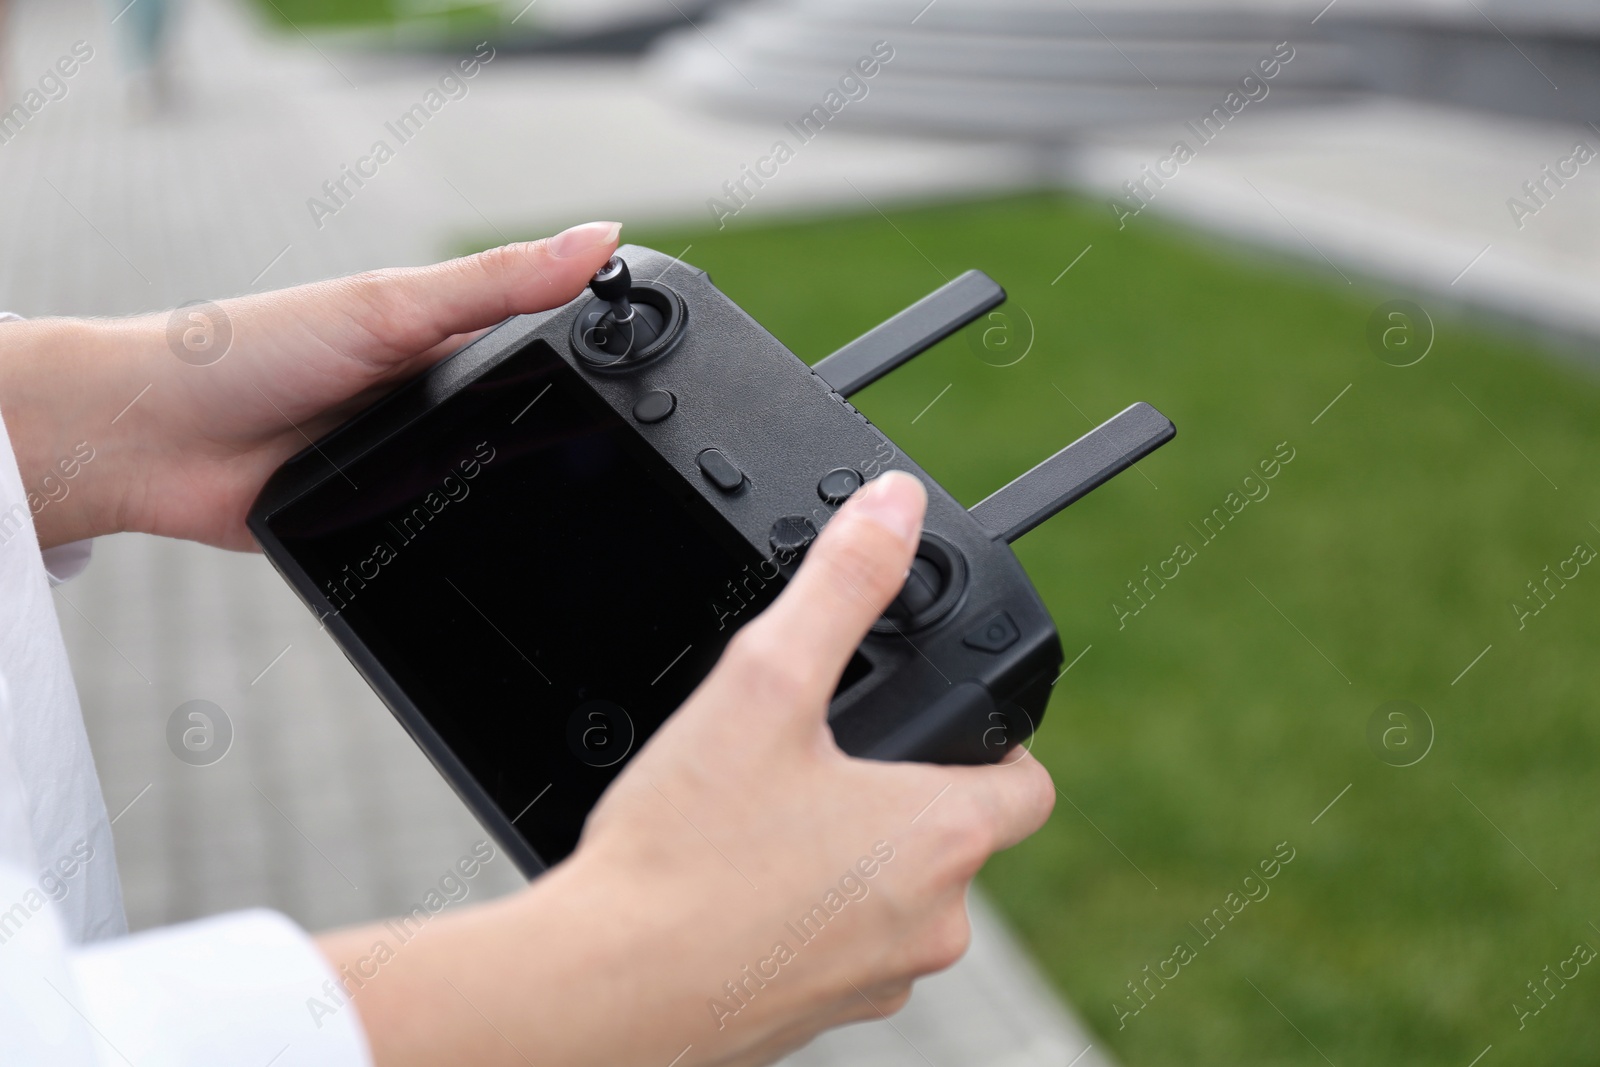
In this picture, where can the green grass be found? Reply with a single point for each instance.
(442, 15)
(1210, 728)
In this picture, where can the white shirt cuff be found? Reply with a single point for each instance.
(232, 991)
(65, 562)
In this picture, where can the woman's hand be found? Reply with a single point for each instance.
(181, 446)
(743, 885)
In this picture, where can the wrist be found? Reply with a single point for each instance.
(592, 949)
(542, 975)
(64, 385)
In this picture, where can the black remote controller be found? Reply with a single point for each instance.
(535, 551)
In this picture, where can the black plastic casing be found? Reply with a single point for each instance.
(942, 694)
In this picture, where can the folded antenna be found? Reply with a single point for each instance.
(910, 333)
(1084, 465)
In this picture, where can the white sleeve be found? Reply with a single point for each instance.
(241, 990)
(245, 989)
(248, 989)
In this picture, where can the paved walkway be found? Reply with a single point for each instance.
(1410, 194)
(111, 215)
(323, 807)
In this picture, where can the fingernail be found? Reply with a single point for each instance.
(894, 500)
(580, 239)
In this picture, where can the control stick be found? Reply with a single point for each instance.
(625, 329)
(611, 284)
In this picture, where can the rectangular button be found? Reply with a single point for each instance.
(720, 469)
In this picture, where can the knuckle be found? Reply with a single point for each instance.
(498, 261)
(1029, 798)
(973, 834)
(948, 941)
(381, 295)
(367, 281)
(893, 1001)
(380, 302)
(373, 292)
(964, 865)
(875, 1002)
(1042, 800)
(962, 841)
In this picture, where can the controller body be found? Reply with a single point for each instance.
(536, 550)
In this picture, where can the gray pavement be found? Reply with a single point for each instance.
(1414, 195)
(322, 807)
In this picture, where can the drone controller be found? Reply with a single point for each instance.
(535, 551)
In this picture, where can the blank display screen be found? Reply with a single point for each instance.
(536, 579)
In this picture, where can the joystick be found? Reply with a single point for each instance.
(611, 284)
(626, 325)
(933, 586)
(538, 549)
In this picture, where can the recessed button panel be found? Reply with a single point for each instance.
(654, 406)
(995, 634)
(720, 469)
(837, 485)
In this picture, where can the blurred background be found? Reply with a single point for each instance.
(1349, 243)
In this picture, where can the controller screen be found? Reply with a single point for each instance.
(536, 579)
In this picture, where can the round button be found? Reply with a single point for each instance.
(654, 406)
(837, 485)
(792, 533)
